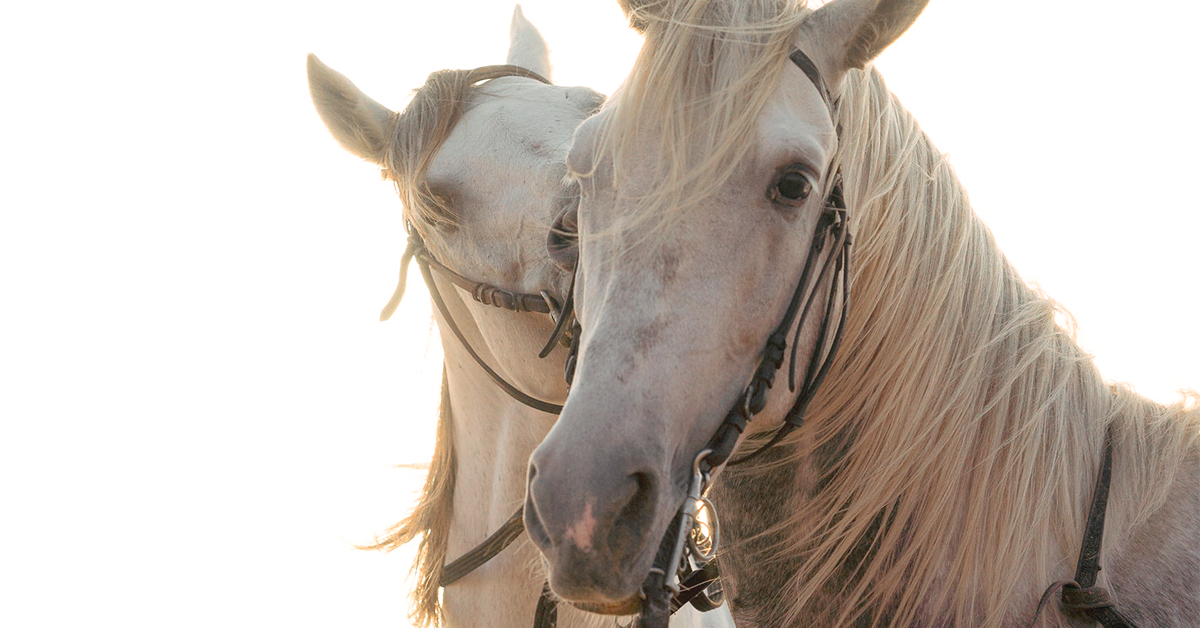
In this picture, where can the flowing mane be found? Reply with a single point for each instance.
(430, 521)
(947, 350)
(703, 76)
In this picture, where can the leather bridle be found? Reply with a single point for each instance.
(679, 565)
(482, 292)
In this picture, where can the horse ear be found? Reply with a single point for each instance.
(845, 34)
(640, 12)
(357, 122)
(526, 48)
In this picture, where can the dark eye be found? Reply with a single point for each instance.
(791, 188)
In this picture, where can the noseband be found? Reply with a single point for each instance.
(482, 292)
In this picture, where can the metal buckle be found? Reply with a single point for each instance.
(687, 537)
(552, 303)
(705, 535)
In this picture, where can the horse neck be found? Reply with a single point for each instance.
(493, 437)
(956, 437)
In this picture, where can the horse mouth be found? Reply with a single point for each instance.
(628, 606)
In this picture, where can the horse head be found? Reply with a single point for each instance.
(706, 183)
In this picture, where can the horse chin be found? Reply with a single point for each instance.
(596, 588)
(629, 606)
(592, 596)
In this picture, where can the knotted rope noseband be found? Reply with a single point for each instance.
(483, 293)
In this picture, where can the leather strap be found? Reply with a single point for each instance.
(484, 293)
(1088, 565)
(488, 294)
(834, 222)
(489, 72)
(695, 584)
(546, 615)
(809, 68)
(1081, 597)
(436, 295)
(485, 551)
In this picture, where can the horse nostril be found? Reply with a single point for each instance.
(533, 520)
(635, 516)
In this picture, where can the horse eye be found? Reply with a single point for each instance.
(791, 188)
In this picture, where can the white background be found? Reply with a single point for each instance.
(198, 407)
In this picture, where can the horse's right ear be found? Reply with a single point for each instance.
(845, 34)
(357, 122)
(640, 12)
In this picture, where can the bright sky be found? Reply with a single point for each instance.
(199, 407)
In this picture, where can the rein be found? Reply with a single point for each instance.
(483, 293)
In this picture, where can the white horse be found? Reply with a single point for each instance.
(945, 471)
(481, 170)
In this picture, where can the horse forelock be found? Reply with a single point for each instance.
(417, 134)
(965, 423)
(704, 75)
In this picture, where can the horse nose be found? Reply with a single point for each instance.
(588, 519)
(569, 508)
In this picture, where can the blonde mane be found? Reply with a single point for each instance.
(947, 350)
(703, 76)
(429, 520)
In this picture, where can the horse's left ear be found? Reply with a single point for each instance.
(526, 48)
(845, 34)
